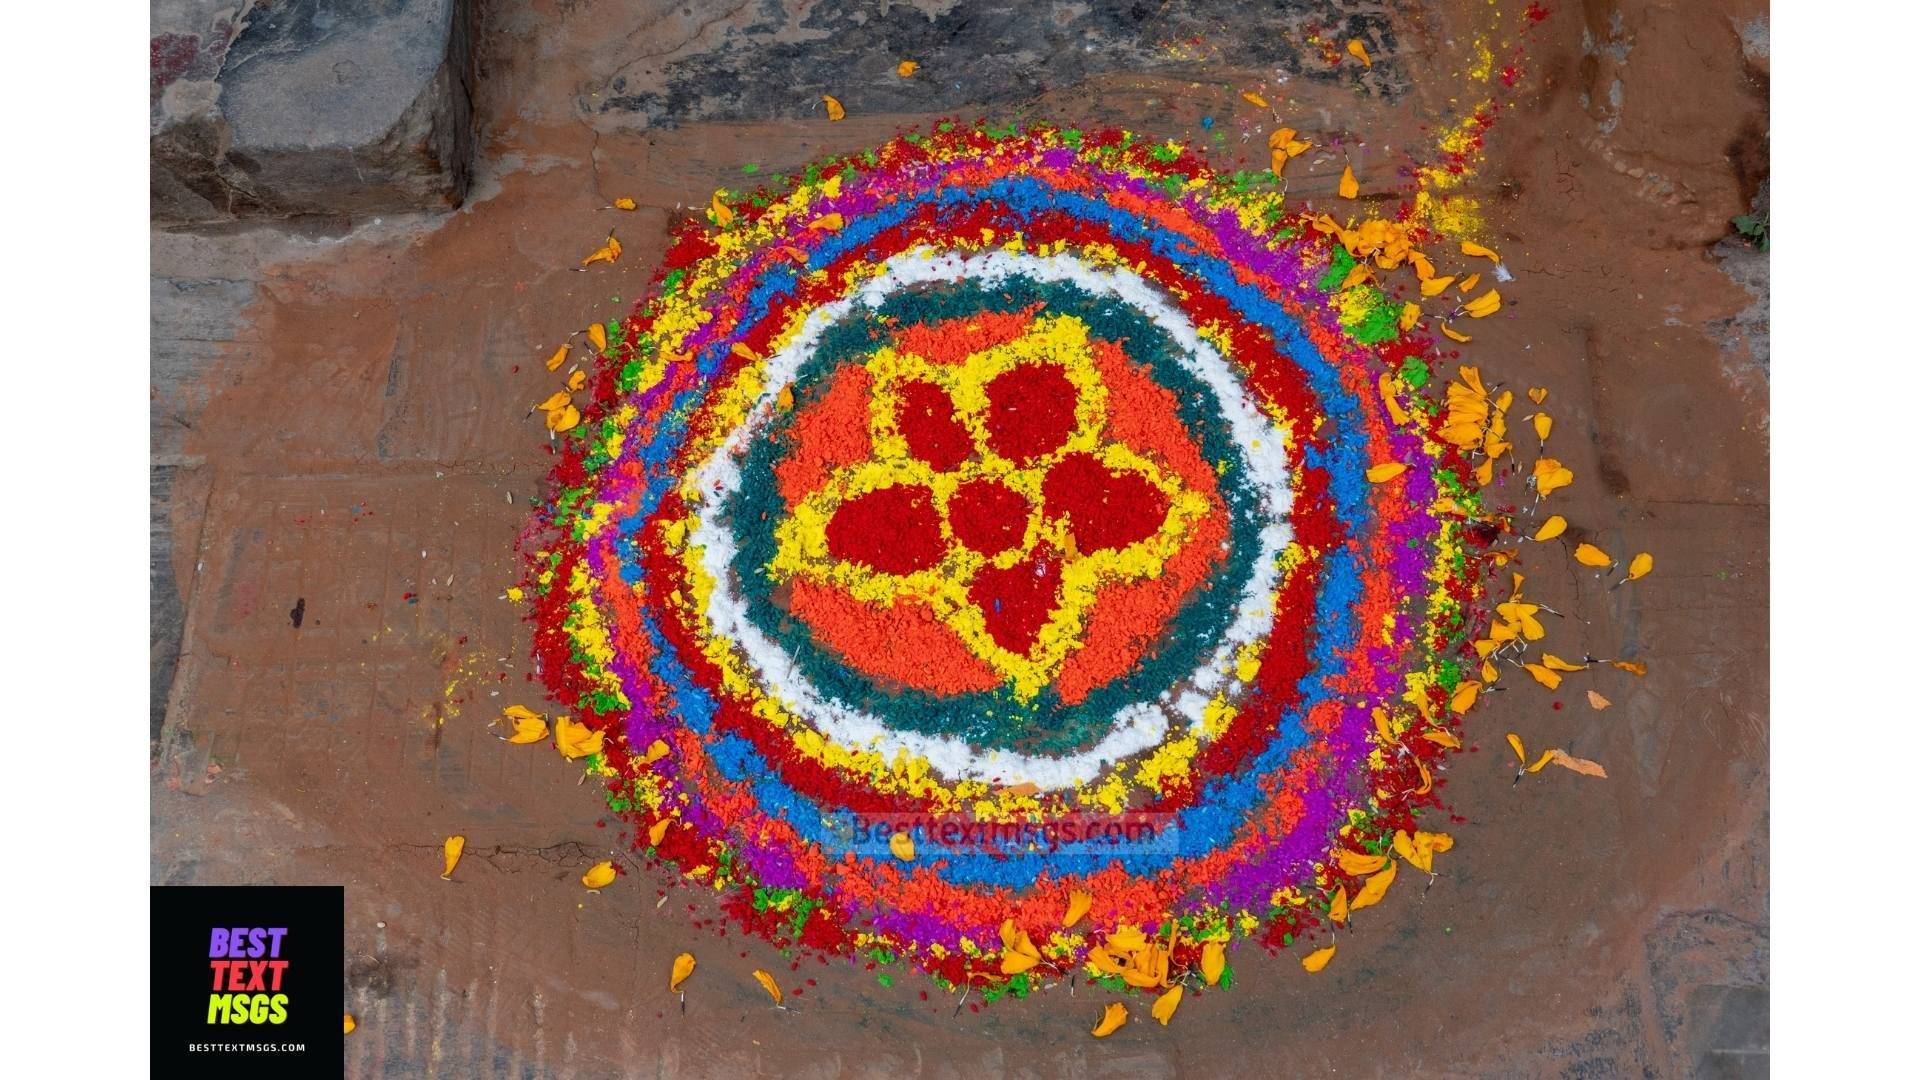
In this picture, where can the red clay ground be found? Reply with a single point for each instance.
(340, 418)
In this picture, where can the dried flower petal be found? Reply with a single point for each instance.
(1165, 1004)
(1114, 1015)
(1594, 699)
(1079, 902)
(1544, 675)
(1579, 765)
(1213, 961)
(1588, 555)
(1359, 863)
(599, 875)
(1375, 888)
(1550, 476)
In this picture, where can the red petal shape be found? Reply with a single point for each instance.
(1104, 509)
(1019, 600)
(933, 433)
(894, 530)
(1029, 411)
(988, 516)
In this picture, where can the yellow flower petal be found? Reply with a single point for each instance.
(624, 203)
(1640, 567)
(1317, 959)
(559, 357)
(452, 849)
(597, 334)
(1165, 1004)
(1469, 248)
(1254, 99)
(835, 111)
(1014, 963)
(722, 213)
(1579, 765)
(1464, 696)
(767, 983)
(1435, 286)
(1484, 305)
(1079, 902)
(1349, 187)
(1537, 394)
(351, 1023)
(901, 844)
(1551, 528)
(1375, 888)
(1594, 699)
(1111, 1018)
(1385, 471)
(658, 832)
(1213, 961)
(906, 68)
(1359, 863)
(1454, 334)
(1550, 476)
(599, 875)
(682, 967)
(1359, 52)
(1554, 663)
(1519, 748)
(1588, 555)
(1544, 675)
(575, 739)
(1409, 314)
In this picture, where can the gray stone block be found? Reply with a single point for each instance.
(310, 107)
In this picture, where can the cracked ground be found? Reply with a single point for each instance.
(340, 426)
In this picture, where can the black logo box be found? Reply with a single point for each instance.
(188, 920)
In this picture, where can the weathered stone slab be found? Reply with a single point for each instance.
(309, 107)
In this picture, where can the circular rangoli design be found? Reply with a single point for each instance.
(1016, 552)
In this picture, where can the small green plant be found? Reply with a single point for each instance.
(1753, 227)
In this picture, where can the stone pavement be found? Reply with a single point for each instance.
(340, 387)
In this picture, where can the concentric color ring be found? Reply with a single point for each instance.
(1014, 479)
